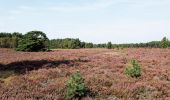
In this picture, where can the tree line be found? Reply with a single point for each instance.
(35, 40)
(68, 43)
(9, 40)
(164, 43)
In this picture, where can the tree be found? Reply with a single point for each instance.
(109, 45)
(9, 40)
(89, 45)
(164, 43)
(74, 44)
(82, 44)
(33, 41)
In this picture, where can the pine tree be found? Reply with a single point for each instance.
(109, 45)
(164, 43)
(33, 41)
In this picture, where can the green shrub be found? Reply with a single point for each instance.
(76, 87)
(134, 70)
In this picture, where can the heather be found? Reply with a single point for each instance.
(44, 75)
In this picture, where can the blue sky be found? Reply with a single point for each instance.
(98, 21)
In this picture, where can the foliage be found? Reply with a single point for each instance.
(109, 45)
(33, 41)
(82, 44)
(134, 70)
(164, 43)
(67, 43)
(10, 40)
(100, 45)
(76, 86)
(89, 45)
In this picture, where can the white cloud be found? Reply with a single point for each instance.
(15, 11)
(26, 8)
(11, 18)
(67, 7)
(146, 3)
(87, 7)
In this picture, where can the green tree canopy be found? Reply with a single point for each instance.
(109, 45)
(9, 40)
(33, 41)
(89, 45)
(164, 43)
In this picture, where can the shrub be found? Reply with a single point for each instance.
(33, 41)
(134, 70)
(76, 87)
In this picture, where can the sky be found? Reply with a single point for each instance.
(97, 21)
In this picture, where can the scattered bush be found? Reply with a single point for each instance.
(134, 70)
(76, 87)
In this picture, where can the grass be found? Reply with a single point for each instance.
(6, 74)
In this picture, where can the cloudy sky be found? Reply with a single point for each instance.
(98, 21)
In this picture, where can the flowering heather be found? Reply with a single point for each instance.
(43, 75)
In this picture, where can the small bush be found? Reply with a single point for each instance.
(134, 70)
(76, 87)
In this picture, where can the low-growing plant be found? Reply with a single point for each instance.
(134, 70)
(76, 87)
